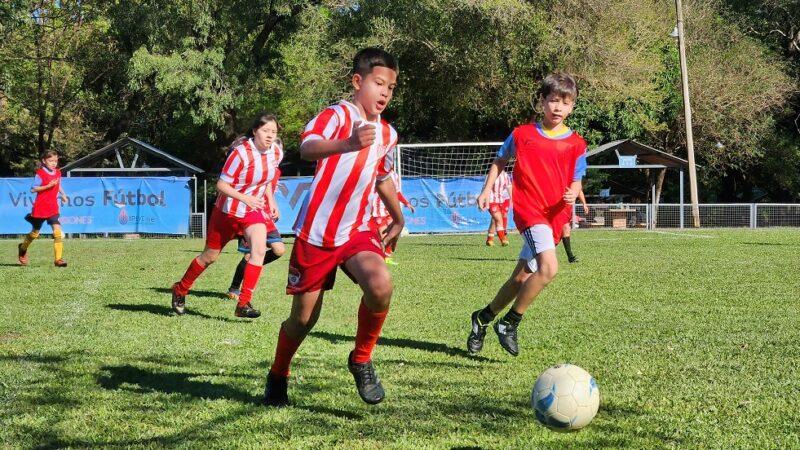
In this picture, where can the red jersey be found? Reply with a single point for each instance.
(545, 167)
(46, 203)
(338, 204)
(250, 172)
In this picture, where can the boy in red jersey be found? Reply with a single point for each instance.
(243, 185)
(550, 163)
(381, 218)
(499, 203)
(353, 149)
(47, 186)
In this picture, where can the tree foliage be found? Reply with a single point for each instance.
(188, 75)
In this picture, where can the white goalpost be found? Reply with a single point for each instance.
(445, 160)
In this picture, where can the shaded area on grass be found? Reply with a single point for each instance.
(163, 310)
(434, 347)
(192, 293)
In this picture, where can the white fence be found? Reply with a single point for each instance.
(667, 215)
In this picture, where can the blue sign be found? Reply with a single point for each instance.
(104, 205)
(442, 205)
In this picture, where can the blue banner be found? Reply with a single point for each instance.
(442, 205)
(104, 205)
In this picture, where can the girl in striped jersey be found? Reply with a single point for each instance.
(243, 186)
(275, 246)
(499, 203)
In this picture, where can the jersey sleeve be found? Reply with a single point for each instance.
(324, 126)
(580, 165)
(233, 166)
(507, 150)
(402, 199)
(37, 181)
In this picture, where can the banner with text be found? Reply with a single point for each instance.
(104, 205)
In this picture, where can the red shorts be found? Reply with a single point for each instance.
(225, 227)
(499, 207)
(313, 268)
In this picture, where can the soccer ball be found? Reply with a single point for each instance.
(565, 397)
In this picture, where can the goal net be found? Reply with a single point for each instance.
(443, 182)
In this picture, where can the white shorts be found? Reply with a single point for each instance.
(537, 239)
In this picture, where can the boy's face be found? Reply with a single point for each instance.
(51, 162)
(374, 91)
(265, 135)
(556, 109)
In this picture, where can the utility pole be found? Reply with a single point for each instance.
(687, 110)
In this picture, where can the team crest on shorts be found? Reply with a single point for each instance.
(294, 276)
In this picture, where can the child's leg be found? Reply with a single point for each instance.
(372, 275)
(196, 267)
(497, 220)
(238, 275)
(275, 251)
(257, 236)
(33, 235)
(547, 268)
(306, 308)
(58, 242)
(566, 232)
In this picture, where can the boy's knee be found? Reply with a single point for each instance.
(548, 272)
(208, 257)
(278, 251)
(379, 291)
(299, 327)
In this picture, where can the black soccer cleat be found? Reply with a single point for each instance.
(178, 301)
(275, 393)
(367, 381)
(476, 335)
(247, 311)
(507, 335)
(572, 259)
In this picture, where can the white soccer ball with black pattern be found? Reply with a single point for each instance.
(565, 397)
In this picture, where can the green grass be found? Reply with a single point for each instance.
(694, 341)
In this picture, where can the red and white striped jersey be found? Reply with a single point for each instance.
(249, 172)
(500, 189)
(379, 208)
(339, 202)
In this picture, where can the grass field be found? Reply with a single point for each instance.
(694, 339)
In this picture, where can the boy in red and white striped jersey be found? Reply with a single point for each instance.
(243, 186)
(499, 203)
(353, 150)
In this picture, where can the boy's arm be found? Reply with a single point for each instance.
(573, 191)
(388, 194)
(61, 191)
(316, 149)
(576, 187)
(505, 153)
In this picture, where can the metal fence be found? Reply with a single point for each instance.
(712, 215)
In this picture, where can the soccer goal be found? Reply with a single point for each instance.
(443, 182)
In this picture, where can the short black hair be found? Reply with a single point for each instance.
(561, 84)
(368, 58)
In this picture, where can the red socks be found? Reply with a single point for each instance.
(284, 352)
(194, 271)
(501, 234)
(369, 330)
(251, 275)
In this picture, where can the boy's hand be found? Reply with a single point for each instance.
(586, 209)
(570, 197)
(275, 213)
(391, 235)
(483, 201)
(64, 198)
(363, 136)
(254, 202)
(411, 207)
(51, 183)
